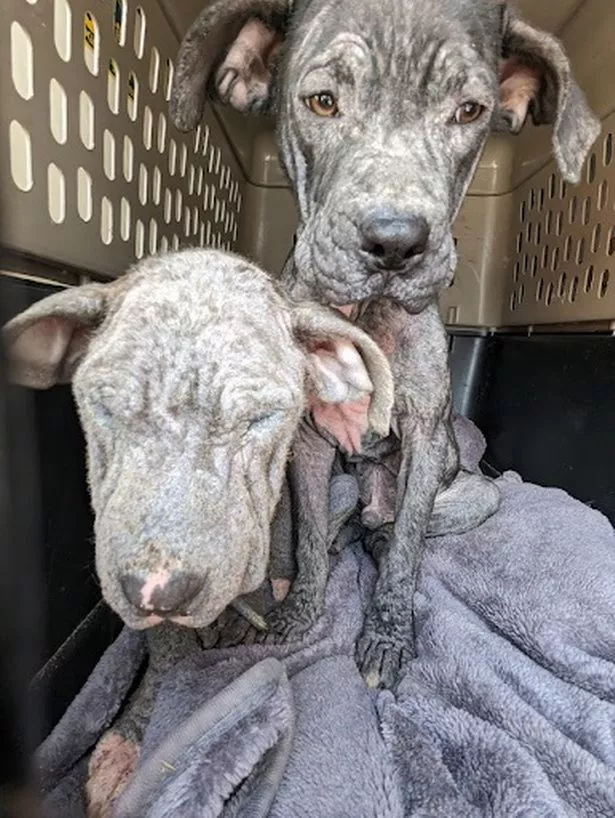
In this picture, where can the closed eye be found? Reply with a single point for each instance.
(265, 420)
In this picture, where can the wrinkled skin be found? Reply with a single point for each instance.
(191, 375)
(400, 75)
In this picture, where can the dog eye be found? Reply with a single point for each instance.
(468, 112)
(266, 419)
(322, 104)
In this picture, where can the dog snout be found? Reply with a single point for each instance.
(163, 594)
(392, 238)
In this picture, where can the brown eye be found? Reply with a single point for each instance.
(468, 112)
(322, 104)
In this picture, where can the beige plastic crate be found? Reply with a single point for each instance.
(93, 174)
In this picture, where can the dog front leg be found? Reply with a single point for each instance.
(310, 477)
(116, 756)
(387, 641)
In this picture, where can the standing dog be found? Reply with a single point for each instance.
(383, 111)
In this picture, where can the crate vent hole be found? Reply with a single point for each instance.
(148, 127)
(109, 154)
(153, 236)
(56, 190)
(168, 80)
(139, 38)
(172, 157)
(168, 205)
(162, 133)
(125, 219)
(608, 150)
(154, 70)
(106, 221)
(132, 99)
(91, 43)
(139, 239)
(128, 159)
(589, 279)
(22, 61)
(58, 112)
(143, 184)
(86, 120)
(119, 22)
(604, 284)
(84, 194)
(20, 156)
(156, 185)
(113, 87)
(62, 25)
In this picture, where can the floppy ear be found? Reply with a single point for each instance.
(230, 52)
(46, 342)
(349, 381)
(536, 78)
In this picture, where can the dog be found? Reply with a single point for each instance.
(383, 110)
(191, 375)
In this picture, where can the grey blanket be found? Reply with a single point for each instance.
(508, 710)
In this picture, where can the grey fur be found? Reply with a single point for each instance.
(399, 70)
(191, 375)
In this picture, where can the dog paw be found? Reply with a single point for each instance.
(235, 630)
(111, 767)
(382, 654)
(290, 621)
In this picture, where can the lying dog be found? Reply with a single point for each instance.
(383, 110)
(191, 375)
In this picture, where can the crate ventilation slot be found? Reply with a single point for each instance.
(98, 174)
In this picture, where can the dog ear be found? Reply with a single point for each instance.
(46, 342)
(230, 52)
(536, 78)
(349, 381)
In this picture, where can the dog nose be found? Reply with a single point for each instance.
(163, 593)
(392, 239)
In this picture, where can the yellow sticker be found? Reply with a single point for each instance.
(89, 32)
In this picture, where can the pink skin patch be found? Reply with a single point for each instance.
(347, 422)
(184, 621)
(246, 72)
(150, 622)
(280, 589)
(519, 85)
(154, 581)
(111, 767)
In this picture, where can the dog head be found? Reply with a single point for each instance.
(383, 111)
(190, 375)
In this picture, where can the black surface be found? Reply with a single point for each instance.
(546, 405)
(21, 587)
(63, 676)
(64, 534)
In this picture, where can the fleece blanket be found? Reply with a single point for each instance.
(508, 709)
